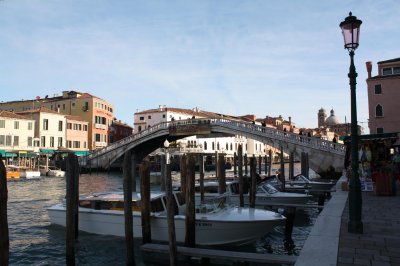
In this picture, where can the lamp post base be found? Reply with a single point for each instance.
(355, 227)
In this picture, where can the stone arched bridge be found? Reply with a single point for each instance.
(323, 155)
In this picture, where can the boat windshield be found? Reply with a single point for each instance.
(213, 204)
(269, 189)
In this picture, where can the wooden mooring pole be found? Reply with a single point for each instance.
(4, 238)
(241, 185)
(190, 221)
(282, 170)
(201, 169)
(266, 164)
(291, 165)
(72, 207)
(183, 170)
(221, 174)
(253, 172)
(127, 174)
(235, 162)
(145, 199)
(269, 162)
(173, 254)
(290, 215)
(259, 164)
(245, 165)
(133, 171)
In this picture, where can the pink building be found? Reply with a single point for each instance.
(384, 97)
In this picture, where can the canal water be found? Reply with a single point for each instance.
(34, 241)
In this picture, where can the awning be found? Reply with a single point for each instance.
(7, 154)
(81, 153)
(46, 150)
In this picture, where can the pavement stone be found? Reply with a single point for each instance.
(379, 245)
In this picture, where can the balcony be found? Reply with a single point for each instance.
(100, 126)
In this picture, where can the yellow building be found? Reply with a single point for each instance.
(97, 112)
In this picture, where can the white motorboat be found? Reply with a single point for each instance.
(265, 194)
(215, 224)
(301, 183)
(315, 185)
(52, 171)
(56, 172)
(29, 174)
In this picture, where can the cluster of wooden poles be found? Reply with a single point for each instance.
(187, 187)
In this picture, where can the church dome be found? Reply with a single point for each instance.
(332, 119)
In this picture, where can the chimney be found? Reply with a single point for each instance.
(369, 68)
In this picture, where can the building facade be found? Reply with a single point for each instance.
(118, 131)
(50, 129)
(208, 145)
(17, 133)
(77, 135)
(97, 112)
(384, 97)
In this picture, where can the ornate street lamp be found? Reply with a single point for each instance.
(351, 32)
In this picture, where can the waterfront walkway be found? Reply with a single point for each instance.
(329, 243)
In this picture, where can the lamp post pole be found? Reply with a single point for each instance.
(355, 200)
(351, 32)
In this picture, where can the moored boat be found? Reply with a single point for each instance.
(216, 224)
(266, 194)
(30, 174)
(12, 172)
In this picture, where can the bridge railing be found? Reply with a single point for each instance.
(261, 131)
(129, 139)
(284, 136)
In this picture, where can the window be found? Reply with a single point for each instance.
(217, 145)
(2, 123)
(149, 117)
(69, 125)
(226, 146)
(97, 137)
(379, 111)
(84, 144)
(85, 128)
(69, 144)
(60, 142)
(75, 126)
(60, 125)
(396, 70)
(51, 141)
(140, 128)
(16, 124)
(36, 143)
(30, 125)
(63, 106)
(2, 140)
(8, 140)
(205, 145)
(45, 124)
(43, 141)
(141, 118)
(30, 141)
(163, 116)
(73, 104)
(213, 145)
(16, 140)
(77, 144)
(86, 106)
(379, 130)
(378, 89)
(387, 71)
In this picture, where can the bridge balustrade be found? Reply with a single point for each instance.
(239, 127)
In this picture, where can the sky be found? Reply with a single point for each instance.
(266, 58)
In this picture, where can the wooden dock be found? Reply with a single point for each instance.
(222, 254)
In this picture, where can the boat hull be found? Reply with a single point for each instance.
(30, 174)
(233, 229)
